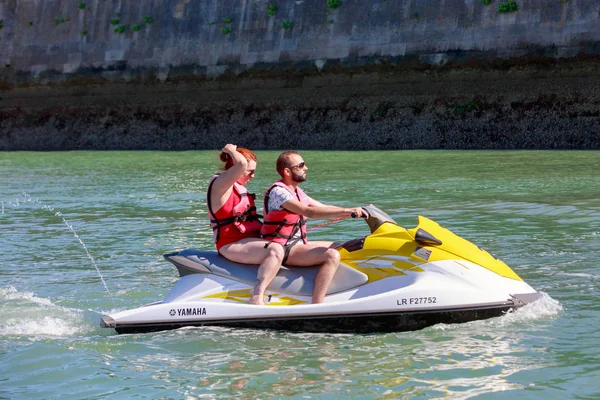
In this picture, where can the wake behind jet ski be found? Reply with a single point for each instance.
(391, 280)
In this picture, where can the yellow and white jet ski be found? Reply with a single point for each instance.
(391, 280)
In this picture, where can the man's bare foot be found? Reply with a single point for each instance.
(257, 300)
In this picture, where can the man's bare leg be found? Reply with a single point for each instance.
(316, 253)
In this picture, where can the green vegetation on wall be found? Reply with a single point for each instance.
(507, 6)
(333, 4)
(123, 28)
(115, 21)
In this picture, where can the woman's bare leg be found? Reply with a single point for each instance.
(267, 272)
(253, 251)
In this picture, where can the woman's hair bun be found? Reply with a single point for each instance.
(224, 157)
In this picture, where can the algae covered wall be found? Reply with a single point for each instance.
(176, 74)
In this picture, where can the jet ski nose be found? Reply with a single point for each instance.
(108, 322)
(525, 298)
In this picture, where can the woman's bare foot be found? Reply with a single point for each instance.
(257, 300)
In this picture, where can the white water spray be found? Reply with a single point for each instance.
(28, 199)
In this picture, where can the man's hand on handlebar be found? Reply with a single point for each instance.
(358, 212)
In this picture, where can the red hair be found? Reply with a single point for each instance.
(226, 158)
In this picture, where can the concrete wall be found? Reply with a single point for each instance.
(372, 74)
(185, 38)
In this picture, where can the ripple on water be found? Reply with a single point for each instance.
(26, 315)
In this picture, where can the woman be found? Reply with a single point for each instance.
(235, 222)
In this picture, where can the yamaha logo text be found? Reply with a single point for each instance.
(184, 312)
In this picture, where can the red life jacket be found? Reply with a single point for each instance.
(280, 226)
(236, 219)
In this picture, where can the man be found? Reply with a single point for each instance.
(286, 208)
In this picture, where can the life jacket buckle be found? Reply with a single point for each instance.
(240, 217)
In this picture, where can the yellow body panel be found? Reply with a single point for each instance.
(243, 295)
(392, 249)
(240, 296)
(463, 249)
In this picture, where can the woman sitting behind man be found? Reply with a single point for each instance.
(234, 219)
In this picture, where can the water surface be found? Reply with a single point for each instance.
(66, 216)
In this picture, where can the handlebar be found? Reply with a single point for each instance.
(355, 215)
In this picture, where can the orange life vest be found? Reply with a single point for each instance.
(280, 226)
(236, 219)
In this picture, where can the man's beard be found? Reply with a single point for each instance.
(301, 177)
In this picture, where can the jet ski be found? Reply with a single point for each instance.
(392, 280)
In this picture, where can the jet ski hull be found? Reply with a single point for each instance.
(348, 323)
(395, 304)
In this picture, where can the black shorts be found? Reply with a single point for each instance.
(286, 249)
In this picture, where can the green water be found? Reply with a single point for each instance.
(537, 211)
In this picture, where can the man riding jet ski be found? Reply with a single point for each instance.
(393, 279)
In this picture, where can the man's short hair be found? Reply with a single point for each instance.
(283, 161)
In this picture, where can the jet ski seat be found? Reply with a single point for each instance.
(291, 280)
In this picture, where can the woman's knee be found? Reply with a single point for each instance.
(275, 251)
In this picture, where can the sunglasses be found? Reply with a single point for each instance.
(301, 165)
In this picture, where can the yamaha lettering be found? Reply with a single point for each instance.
(416, 300)
(185, 312)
